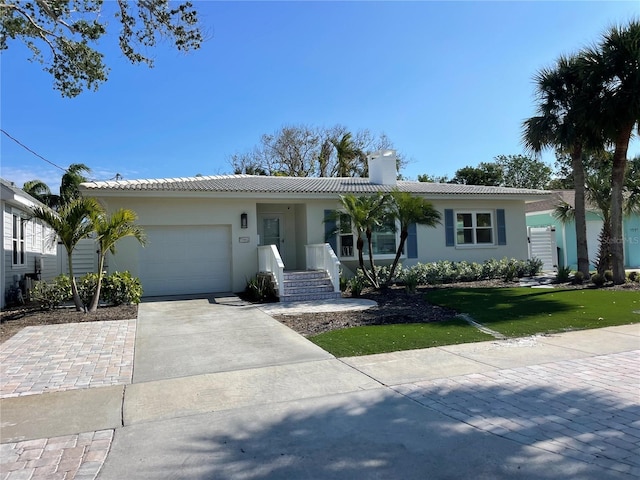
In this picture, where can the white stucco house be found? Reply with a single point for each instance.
(208, 234)
(26, 249)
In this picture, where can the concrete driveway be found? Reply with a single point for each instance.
(222, 391)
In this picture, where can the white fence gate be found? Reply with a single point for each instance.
(542, 245)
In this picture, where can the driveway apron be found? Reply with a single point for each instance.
(223, 391)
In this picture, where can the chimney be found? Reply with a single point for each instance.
(382, 167)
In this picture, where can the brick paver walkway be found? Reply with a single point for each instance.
(65, 357)
(587, 409)
(78, 457)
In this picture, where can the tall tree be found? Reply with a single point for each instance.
(110, 229)
(407, 209)
(365, 213)
(485, 173)
(562, 122)
(41, 192)
(71, 223)
(71, 180)
(598, 195)
(521, 171)
(346, 152)
(614, 65)
(70, 31)
(305, 151)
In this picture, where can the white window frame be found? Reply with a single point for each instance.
(18, 241)
(351, 251)
(474, 228)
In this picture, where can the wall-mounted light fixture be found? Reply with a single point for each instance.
(243, 220)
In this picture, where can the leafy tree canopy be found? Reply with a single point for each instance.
(304, 151)
(70, 30)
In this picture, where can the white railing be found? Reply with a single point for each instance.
(322, 257)
(269, 261)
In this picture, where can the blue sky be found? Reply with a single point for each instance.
(449, 82)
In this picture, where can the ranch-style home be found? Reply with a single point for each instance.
(212, 234)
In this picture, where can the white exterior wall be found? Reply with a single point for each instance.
(38, 249)
(431, 241)
(156, 211)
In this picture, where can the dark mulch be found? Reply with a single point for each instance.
(394, 306)
(14, 319)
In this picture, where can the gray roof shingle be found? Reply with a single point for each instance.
(300, 185)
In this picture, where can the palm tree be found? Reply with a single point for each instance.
(598, 194)
(346, 152)
(562, 123)
(110, 229)
(614, 65)
(407, 209)
(71, 223)
(365, 214)
(41, 192)
(71, 180)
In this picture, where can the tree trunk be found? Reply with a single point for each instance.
(95, 300)
(617, 185)
(374, 275)
(360, 247)
(580, 211)
(403, 237)
(74, 287)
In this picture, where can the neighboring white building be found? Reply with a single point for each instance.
(204, 232)
(27, 250)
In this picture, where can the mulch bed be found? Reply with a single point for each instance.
(14, 319)
(395, 306)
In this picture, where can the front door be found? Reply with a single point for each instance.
(272, 230)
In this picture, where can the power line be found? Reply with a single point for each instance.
(35, 153)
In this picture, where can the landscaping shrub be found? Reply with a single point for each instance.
(87, 287)
(52, 295)
(120, 288)
(563, 275)
(598, 280)
(260, 289)
(578, 278)
(608, 275)
(410, 281)
(356, 284)
(634, 277)
(533, 267)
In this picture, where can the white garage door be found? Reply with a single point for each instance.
(186, 259)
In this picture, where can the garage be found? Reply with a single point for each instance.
(186, 260)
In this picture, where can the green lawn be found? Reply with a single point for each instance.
(511, 311)
(524, 311)
(390, 338)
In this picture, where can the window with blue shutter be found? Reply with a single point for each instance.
(502, 227)
(449, 228)
(412, 241)
(330, 229)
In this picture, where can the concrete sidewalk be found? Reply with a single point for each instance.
(221, 390)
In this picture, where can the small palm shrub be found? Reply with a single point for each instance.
(563, 275)
(260, 289)
(356, 285)
(410, 281)
(598, 280)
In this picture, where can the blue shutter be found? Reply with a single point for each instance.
(330, 235)
(502, 228)
(449, 229)
(412, 241)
